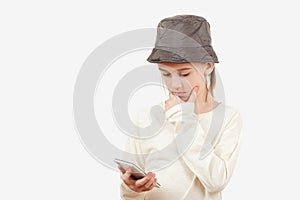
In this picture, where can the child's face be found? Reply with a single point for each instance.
(183, 77)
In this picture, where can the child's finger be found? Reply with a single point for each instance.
(193, 95)
(121, 169)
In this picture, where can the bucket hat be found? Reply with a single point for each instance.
(181, 39)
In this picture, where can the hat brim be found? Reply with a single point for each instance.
(186, 55)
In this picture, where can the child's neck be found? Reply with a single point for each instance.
(202, 107)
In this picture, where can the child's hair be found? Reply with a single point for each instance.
(212, 82)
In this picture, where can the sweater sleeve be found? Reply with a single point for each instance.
(135, 155)
(214, 170)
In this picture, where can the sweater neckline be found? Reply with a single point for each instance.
(163, 103)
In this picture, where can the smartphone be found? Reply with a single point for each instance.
(137, 174)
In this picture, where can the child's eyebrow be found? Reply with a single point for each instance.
(177, 69)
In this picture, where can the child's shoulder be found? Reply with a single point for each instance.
(232, 113)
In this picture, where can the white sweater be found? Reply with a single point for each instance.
(193, 155)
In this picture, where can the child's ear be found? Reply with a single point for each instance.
(209, 67)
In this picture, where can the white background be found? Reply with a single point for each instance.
(44, 43)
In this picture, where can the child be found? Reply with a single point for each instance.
(196, 150)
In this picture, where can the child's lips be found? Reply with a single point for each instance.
(183, 95)
(180, 93)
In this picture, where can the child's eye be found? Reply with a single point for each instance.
(185, 74)
(180, 74)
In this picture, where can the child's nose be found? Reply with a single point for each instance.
(176, 84)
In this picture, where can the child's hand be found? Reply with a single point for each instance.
(141, 185)
(174, 100)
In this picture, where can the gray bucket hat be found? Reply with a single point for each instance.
(181, 39)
